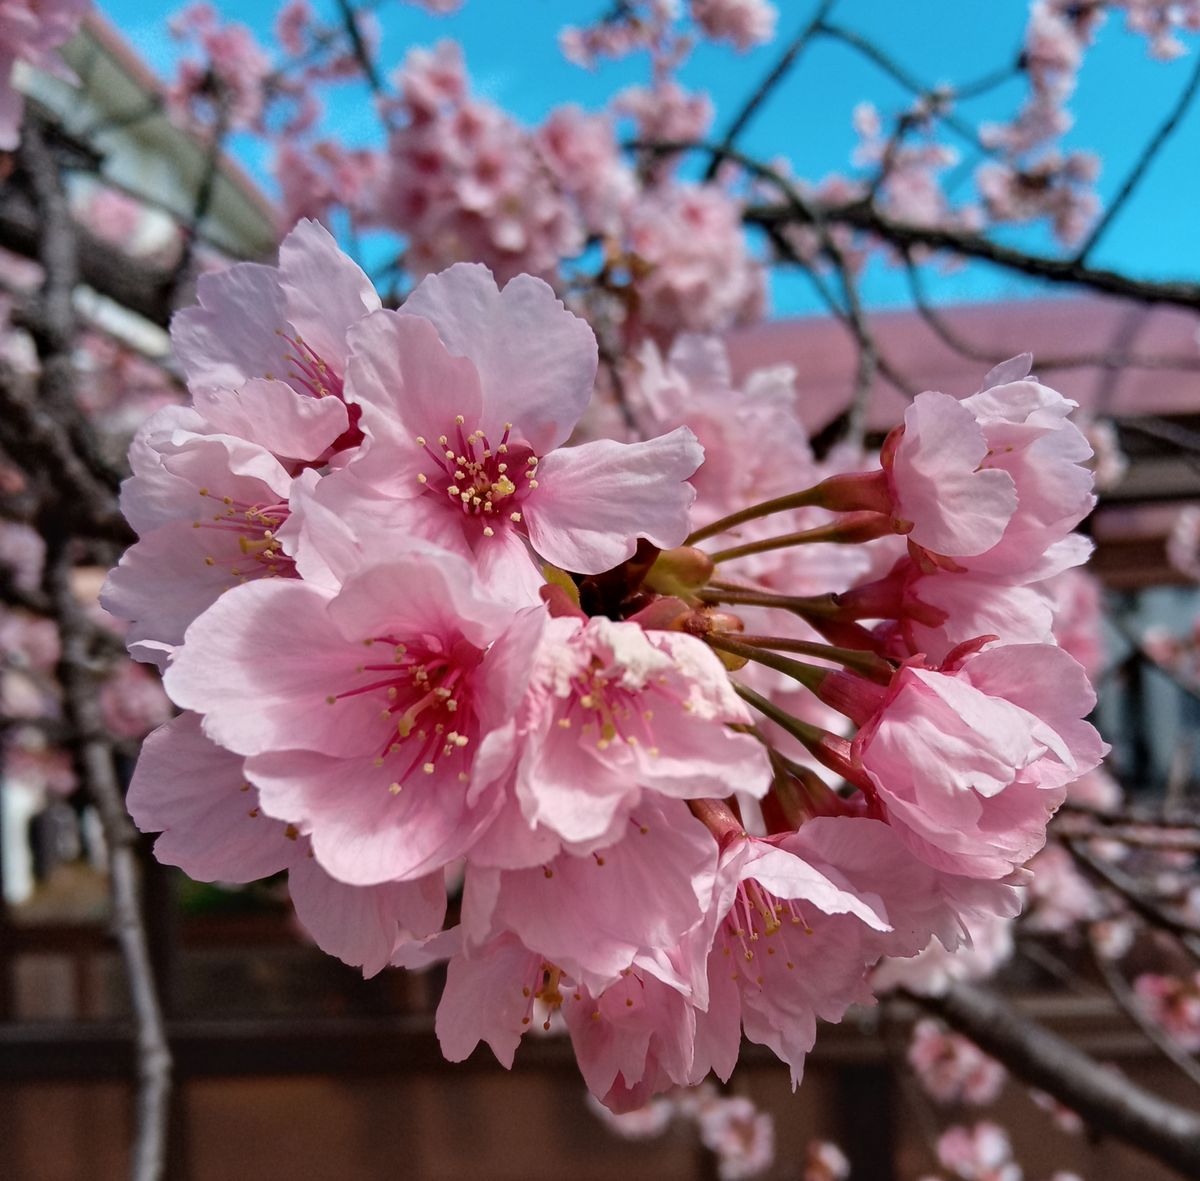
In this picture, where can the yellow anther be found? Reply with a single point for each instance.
(428, 768)
(488, 531)
(394, 788)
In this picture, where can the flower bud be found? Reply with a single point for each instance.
(680, 571)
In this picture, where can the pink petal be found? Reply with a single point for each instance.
(326, 290)
(195, 794)
(483, 1001)
(273, 415)
(363, 925)
(410, 387)
(536, 360)
(260, 663)
(594, 501)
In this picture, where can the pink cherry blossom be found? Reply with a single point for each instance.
(615, 714)
(582, 153)
(666, 112)
(936, 472)
(744, 22)
(209, 504)
(951, 1068)
(466, 182)
(981, 1153)
(364, 725)
(485, 474)
(212, 826)
(1011, 715)
(30, 31)
(793, 944)
(825, 1161)
(285, 323)
(594, 914)
(742, 1137)
(224, 85)
(1172, 1002)
(699, 275)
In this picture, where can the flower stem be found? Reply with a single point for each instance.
(865, 663)
(809, 675)
(822, 606)
(852, 529)
(804, 733)
(834, 752)
(842, 493)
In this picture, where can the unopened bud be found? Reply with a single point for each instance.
(681, 571)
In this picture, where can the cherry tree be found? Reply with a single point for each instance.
(466, 555)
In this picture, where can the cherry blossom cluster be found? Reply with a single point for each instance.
(739, 1135)
(30, 32)
(983, 1152)
(706, 726)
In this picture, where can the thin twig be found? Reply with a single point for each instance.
(950, 337)
(204, 195)
(93, 758)
(1164, 132)
(861, 216)
(58, 517)
(1127, 887)
(358, 45)
(1105, 1100)
(1123, 995)
(898, 73)
(774, 76)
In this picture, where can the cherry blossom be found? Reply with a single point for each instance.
(381, 688)
(952, 1069)
(486, 473)
(1174, 1004)
(744, 22)
(213, 826)
(1012, 714)
(30, 31)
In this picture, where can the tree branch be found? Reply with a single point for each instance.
(1165, 130)
(861, 216)
(1108, 1101)
(93, 757)
(774, 76)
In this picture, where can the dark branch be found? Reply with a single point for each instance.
(904, 236)
(1108, 1102)
(1165, 130)
(93, 757)
(1124, 996)
(358, 45)
(774, 76)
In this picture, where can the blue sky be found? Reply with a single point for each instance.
(511, 51)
